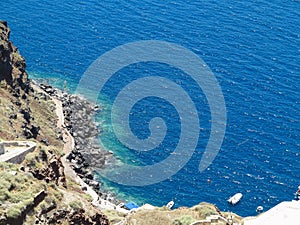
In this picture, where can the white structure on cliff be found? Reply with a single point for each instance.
(1, 148)
(285, 213)
(15, 151)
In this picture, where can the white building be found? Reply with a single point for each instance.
(285, 213)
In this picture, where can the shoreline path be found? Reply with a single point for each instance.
(69, 144)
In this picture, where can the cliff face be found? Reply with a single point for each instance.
(37, 191)
(15, 92)
(12, 64)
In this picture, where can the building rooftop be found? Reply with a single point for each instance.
(282, 214)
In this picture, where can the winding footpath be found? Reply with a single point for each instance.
(69, 144)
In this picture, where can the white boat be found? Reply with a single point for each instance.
(235, 198)
(170, 204)
(260, 209)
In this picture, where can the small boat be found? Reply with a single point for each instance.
(260, 209)
(235, 198)
(170, 204)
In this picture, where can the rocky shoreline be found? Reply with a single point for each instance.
(87, 156)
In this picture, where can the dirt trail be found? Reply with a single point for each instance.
(69, 144)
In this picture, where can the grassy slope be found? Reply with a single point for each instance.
(15, 193)
(17, 188)
(165, 216)
(41, 110)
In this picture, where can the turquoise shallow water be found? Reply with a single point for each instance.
(252, 47)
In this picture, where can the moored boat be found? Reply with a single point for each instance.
(235, 198)
(170, 204)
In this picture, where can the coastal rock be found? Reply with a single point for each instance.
(20, 105)
(14, 80)
(54, 172)
(30, 131)
(12, 64)
(26, 114)
(94, 184)
(13, 116)
(78, 217)
(86, 157)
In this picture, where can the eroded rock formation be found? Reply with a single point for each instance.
(12, 63)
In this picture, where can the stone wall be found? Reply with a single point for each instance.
(17, 156)
(1, 148)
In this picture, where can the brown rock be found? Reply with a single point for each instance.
(12, 63)
(54, 172)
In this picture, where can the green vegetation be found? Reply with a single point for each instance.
(75, 205)
(205, 210)
(114, 216)
(58, 195)
(180, 216)
(23, 112)
(31, 159)
(3, 84)
(88, 197)
(13, 212)
(184, 220)
(17, 189)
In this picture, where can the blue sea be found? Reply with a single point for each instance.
(252, 48)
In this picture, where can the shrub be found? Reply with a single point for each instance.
(4, 184)
(43, 206)
(31, 159)
(4, 195)
(184, 220)
(50, 200)
(3, 84)
(58, 195)
(177, 222)
(13, 212)
(89, 197)
(206, 211)
(7, 166)
(75, 205)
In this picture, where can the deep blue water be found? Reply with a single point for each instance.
(252, 47)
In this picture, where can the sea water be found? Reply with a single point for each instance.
(252, 48)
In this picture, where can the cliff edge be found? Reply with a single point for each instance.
(12, 63)
(36, 191)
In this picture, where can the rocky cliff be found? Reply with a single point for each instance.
(12, 64)
(37, 191)
(15, 88)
